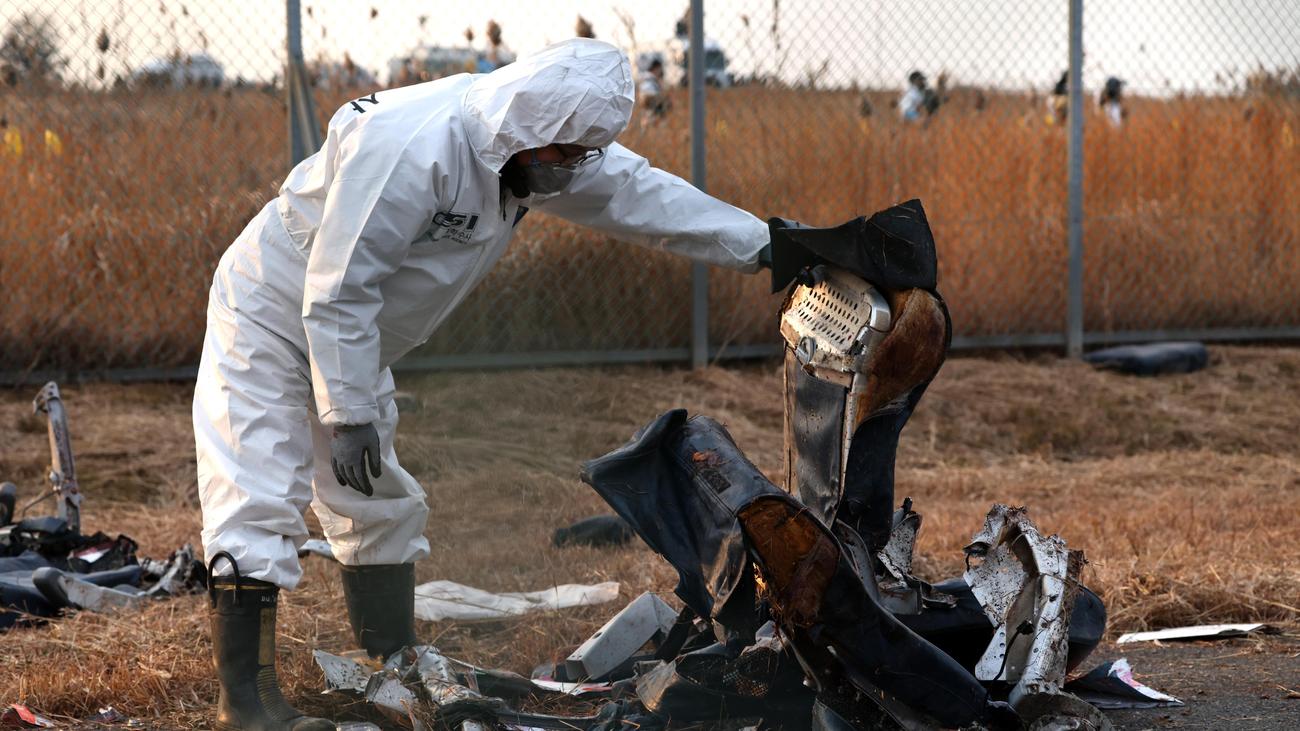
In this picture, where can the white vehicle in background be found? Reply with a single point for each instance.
(177, 72)
(427, 62)
(345, 74)
(716, 71)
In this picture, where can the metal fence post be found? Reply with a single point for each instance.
(304, 129)
(1074, 161)
(699, 271)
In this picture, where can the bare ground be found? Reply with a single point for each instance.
(1182, 490)
(1251, 683)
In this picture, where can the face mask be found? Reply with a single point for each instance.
(542, 177)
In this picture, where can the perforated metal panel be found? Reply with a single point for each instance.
(832, 323)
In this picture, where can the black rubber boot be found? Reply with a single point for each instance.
(381, 605)
(243, 647)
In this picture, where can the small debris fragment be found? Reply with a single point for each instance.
(439, 600)
(1152, 359)
(108, 714)
(1111, 686)
(642, 620)
(601, 530)
(20, 716)
(1198, 632)
(341, 673)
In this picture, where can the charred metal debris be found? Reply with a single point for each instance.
(48, 565)
(801, 610)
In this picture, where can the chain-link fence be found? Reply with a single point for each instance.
(138, 138)
(1192, 194)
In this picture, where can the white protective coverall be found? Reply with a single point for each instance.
(371, 243)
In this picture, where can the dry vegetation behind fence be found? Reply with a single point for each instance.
(1193, 219)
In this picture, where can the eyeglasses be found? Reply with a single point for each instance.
(581, 158)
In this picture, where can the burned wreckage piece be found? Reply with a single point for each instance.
(687, 489)
(828, 558)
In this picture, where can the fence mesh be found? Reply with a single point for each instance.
(839, 110)
(138, 138)
(1192, 180)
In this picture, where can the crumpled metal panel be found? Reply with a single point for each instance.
(341, 673)
(1027, 583)
(896, 556)
(642, 619)
(438, 678)
(899, 591)
(417, 681)
(386, 691)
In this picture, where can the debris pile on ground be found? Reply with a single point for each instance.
(48, 565)
(800, 607)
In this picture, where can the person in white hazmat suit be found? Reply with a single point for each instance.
(371, 243)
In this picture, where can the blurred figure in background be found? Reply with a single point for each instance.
(583, 29)
(919, 102)
(653, 100)
(13, 139)
(498, 54)
(1058, 104)
(1112, 101)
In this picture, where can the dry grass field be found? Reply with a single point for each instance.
(1193, 219)
(1182, 490)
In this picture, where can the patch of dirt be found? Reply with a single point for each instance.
(1181, 491)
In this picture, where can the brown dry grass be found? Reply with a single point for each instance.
(1182, 491)
(109, 248)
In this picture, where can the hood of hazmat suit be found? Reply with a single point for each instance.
(383, 232)
(578, 92)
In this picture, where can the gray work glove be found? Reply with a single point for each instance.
(350, 449)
